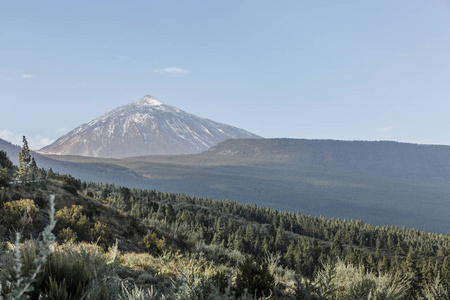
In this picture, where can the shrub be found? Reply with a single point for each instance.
(436, 290)
(137, 293)
(101, 235)
(70, 184)
(20, 283)
(67, 235)
(343, 281)
(254, 276)
(70, 272)
(20, 215)
(41, 200)
(152, 244)
(195, 280)
(74, 218)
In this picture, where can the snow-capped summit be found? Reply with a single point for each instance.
(149, 101)
(145, 127)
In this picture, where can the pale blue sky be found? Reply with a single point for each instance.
(350, 70)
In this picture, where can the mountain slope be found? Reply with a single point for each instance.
(380, 182)
(408, 162)
(137, 226)
(146, 127)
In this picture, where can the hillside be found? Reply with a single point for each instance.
(145, 127)
(128, 242)
(386, 183)
(408, 162)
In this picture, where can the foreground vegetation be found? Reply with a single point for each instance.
(118, 243)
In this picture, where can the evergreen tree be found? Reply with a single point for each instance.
(411, 267)
(33, 170)
(5, 162)
(4, 178)
(6, 169)
(255, 277)
(445, 270)
(281, 240)
(24, 161)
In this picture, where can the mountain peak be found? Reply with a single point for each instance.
(149, 101)
(145, 127)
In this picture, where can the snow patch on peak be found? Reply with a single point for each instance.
(149, 101)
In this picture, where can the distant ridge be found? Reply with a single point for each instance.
(417, 162)
(145, 127)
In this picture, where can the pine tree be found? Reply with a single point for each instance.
(5, 162)
(410, 266)
(24, 161)
(254, 276)
(281, 240)
(445, 270)
(6, 169)
(33, 170)
(4, 178)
